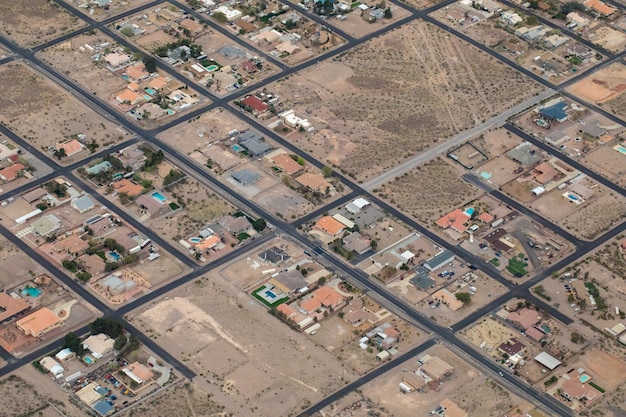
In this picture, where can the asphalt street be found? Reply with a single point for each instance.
(394, 303)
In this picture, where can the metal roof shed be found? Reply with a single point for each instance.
(547, 360)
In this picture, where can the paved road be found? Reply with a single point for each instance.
(464, 136)
(566, 158)
(474, 180)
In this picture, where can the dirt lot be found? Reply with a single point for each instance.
(441, 190)
(244, 357)
(604, 87)
(43, 114)
(22, 267)
(358, 27)
(597, 216)
(115, 8)
(421, 4)
(607, 162)
(433, 91)
(609, 38)
(467, 387)
(210, 127)
(79, 67)
(203, 207)
(31, 23)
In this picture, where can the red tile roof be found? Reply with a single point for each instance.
(256, 104)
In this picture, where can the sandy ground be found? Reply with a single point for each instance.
(208, 128)
(606, 88)
(23, 268)
(43, 114)
(115, 8)
(79, 66)
(440, 190)
(34, 22)
(608, 162)
(243, 355)
(433, 91)
(356, 26)
(597, 216)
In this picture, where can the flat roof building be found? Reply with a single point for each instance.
(547, 360)
(138, 372)
(99, 345)
(439, 260)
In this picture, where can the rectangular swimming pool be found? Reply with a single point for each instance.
(159, 196)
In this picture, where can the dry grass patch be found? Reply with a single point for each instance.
(429, 191)
(597, 217)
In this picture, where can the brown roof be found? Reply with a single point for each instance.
(600, 7)
(495, 235)
(92, 263)
(485, 217)
(437, 368)
(330, 225)
(141, 371)
(315, 182)
(576, 389)
(157, 83)
(414, 380)
(10, 306)
(544, 173)
(191, 25)
(71, 244)
(456, 219)
(453, 410)
(128, 187)
(512, 347)
(256, 104)
(70, 147)
(535, 334)
(10, 173)
(524, 317)
(286, 163)
(448, 299)
(137, 71)
(245, 25)
(38, 322)
(152, 206)
(34, 195)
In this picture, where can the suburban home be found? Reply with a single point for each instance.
(356, 315)
(452, 409)
(573, 389)
(323, 298)
(447, 298)
(510, 18)
(274, 255)
(257, 105)
(234, 225)
(357, 243)
(11, 307)
(65, 355)
(126, 186)
(287, 310)
(70, 147)
(82, 204)
(485, 217)
(512, 347)
(599, 7)
(138, 372)
(93, 264)
(249, 67)
(117, 60)
(555, 112)
(268, 35)
(39, 323)
(455, 220)
(254, 144)
(137, 72)
(523, 318)
(128, 97)
(315, 182)
(245, 177)
(158, 83)
(289, 282)
(575, 20)
(12, 172)
(52, 366)
(524, 154)
(290, 119)
(99, 345)
(544, 173)
(497, 240)
(286, 164)
(442, 258)
(72, 244)
(330, 225)
(435, 368)
(208, 243)
(288, 48)
(46, 225)
(151, 206)
(228, 12)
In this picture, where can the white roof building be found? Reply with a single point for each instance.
(230, 13)
(52, 366)
(65, 355)
(357, 205)
(547, 360)
(99, 345)
(510, 18)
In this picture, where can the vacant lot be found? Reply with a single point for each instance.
(201, 131)
(605, 87)
(597, 216)
(115, 8)
(71, 58)
(239, 351)
(31, 23)
(429, 191)
(608, 162)
(356, 24)
(431, 90)
(40, 112)
(21, 266)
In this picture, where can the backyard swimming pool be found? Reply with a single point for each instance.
(33, 292)
(620, 149)
(151, 91)
(195, 240)
(584, 378)
(270, 294)
(212, 68)
(88, 360)
(159, 196)
(237, 148)
(115, 256)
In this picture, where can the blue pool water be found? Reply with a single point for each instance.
(621, 149)
(116, 256)
(270, 294)
(125, 77)
(470, 211)
(151, 91)
(584, 378)
(170, 111)
(195, 240)
(88, 360)
(485, 175)
(212, 68)
(159, 196)
(237, 148)
(31, 292)
(572, 197)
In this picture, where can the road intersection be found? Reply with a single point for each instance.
(388, 299)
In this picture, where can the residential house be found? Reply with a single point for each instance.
(96, 169)
(257, 105)
(11, 172)
(192, 26)
(34, 195)
(208, 243)
(323, 298)
(512, 347)
(544, 173)
(377, 14)
(600, 7)
(137, 72)
(117, 60)
(330, 225)
(485, 217)
(158, 83)
(234, 225)
(52, 366)
(435, 368)
(535, 334)
(357, 243)
(315, 182)
(447, 298)
(274, 255)
(554, 41)
(497, 240)
(575, 20)
(456, 13)
(253, 143)
(70, 147)
(99, 345)
(65, 355)
(573, 389)
(357, 205)
(288, 48)
(266, 35)
(228, 12)
(580, 50)
(356, 315)
(442, 258)
(245, 177)
(510, 18)
(289, 282)
(246, 26)
(523, 318)
(455, 220)
(128, 97)
(452, 409)
(11, 307)
(39, 323)
(250, 67)
(82, 204)
(524, 154)
(93, 264)
(126, 186)
(286, 164)
(555, 112)
(46, 225)
(72, 244)
(290, 119)
(287, 310)
(151, 206)
(138, 372)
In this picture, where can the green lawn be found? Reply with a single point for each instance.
(517, 267)
(495, 261)
(264, 302)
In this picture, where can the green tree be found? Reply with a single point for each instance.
(327, 171)
(120, 342)
(150, 63)
(73, 342)
(388, 14)
(220, 17)
(290, 24)
(259, 225)
(464, 297)
(110, 327)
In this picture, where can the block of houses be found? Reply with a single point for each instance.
(455, 220)
(234, 225)
(151, 206)
(70, 147)
(315, 182)
(11, 172)
(39, 323)
(82, 204)
(99, 345)
(512, 347)
(11, 307)
(330, 225)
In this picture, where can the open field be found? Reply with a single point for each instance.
(210, 127)
(239, 351)
(73, 60)
(115, 8)
(605, 87)
(356, 24)
(432, 92)
(467, 387)
(606, 211)
(440, 190)
(608, 162)
(31, 23)
(43, 114)
(21, 266)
